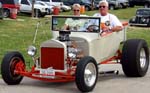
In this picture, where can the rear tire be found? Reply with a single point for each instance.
(8, 67)
(6, 13)
(135, 58)
(37, 13)
(111, 7)
(86, 74)
(87, 8)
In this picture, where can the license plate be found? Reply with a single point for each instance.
(48, 71)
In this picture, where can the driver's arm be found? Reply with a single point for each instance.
(116, 28)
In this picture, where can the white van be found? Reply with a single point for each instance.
(26, 7)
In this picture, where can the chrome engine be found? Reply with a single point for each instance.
(73, 51)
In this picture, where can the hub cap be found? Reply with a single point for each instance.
(142, 58)
(90, 74)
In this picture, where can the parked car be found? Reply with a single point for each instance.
(1, 11)
(145, 3)
(65, 8)
(60, 5)
(123, 3)
(9, 5)
(40, 10)
(113, 4)
(142, 17)
(49, 7)
(75, 55)
(53, 2)
(86, 3)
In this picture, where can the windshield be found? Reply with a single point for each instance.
(143, 12)
(75, 24)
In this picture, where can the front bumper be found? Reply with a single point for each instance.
(137, 24)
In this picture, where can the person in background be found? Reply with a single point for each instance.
(109, 22)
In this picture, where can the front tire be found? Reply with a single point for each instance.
(135, 58)
(86, 74)
(9, 63)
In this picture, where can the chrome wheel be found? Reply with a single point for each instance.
(135, 58)
(86, 74)
(142, 58)
(90, 74)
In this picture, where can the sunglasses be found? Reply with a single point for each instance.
(102, 6)
(76, 10)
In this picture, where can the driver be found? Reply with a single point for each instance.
(109, 22)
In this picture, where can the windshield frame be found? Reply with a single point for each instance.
(78, 17)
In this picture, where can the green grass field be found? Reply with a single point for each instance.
(18, 34)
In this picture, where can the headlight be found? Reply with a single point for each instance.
(133, 19)
(143, 19)
(31, 50)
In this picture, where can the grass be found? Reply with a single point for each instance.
(18, 34)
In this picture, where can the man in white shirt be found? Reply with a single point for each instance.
(109, 22)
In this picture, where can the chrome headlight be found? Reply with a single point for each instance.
(143, 19)
(31, 50)
(133, 19)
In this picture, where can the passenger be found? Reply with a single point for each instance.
(75, 24)
(109, 22)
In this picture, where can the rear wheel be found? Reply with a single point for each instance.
(111, 7)
(135, 58)
(8, 67)
(37, 13)
(86, 74)
(6, 13)
(87, 8)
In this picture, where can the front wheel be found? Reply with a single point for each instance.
(86, 74)
(8, 67)
(135, 58)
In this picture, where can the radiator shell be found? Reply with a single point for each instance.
(52, 55)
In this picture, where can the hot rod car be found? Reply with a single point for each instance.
(142, 17)
(75, 54)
